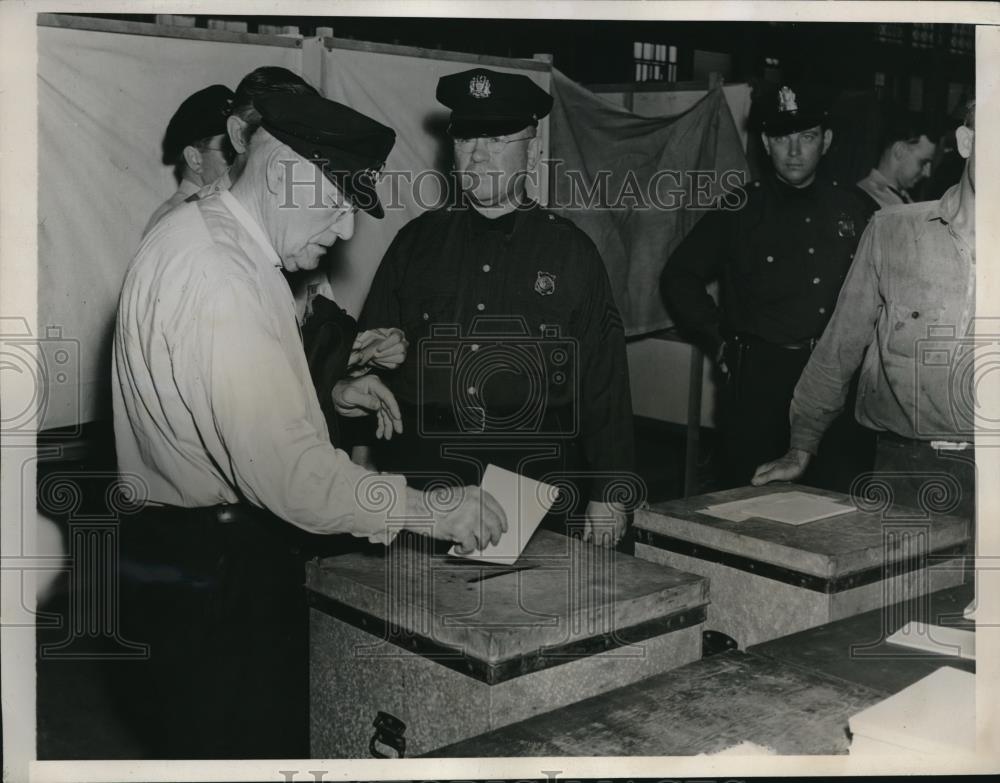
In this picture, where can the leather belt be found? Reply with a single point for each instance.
(752, 339)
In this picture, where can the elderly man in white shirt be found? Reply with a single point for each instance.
(214, 409)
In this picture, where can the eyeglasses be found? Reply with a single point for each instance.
(494, 144)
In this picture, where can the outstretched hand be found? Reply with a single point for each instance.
(787, 468)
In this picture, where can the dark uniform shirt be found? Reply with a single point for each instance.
(513, 331)
(780, 260)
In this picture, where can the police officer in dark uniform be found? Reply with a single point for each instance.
(517, 351)
(780, 259)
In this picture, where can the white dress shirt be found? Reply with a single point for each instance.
(213, 401)
(184, 191)
(879, 188)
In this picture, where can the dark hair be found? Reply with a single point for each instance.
(902, 125)
(227, 149)
(264, 81)
(970, 115)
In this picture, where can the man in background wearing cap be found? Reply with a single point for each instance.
(196, 145)
(780, 260)
(214, 411)
(518, 281)
(913, 282)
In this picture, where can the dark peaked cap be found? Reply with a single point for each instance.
(348, 146)
(793, 110)
(490, 103)
(202, 115)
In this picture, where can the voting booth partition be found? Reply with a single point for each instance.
(106, 91)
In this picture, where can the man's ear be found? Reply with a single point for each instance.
(767, 143)
(236, 130)
(964, 138)
(192, 158)
(275, 170)
(827, 140)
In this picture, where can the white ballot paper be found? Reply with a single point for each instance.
(936, 639)
(525, 501)
(934, 715)
(789, 508)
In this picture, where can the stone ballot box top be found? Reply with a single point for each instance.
(569, 595)
(829, 549)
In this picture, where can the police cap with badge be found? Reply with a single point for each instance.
(202, 115)
(491, 103)
(794, 110)
(349, 147)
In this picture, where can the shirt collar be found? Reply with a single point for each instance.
(947, 207)
(187, 188)
(252, 227)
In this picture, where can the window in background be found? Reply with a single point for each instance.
(654, 62)
(962, 39)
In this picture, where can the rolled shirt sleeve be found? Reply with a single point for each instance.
(822, 389)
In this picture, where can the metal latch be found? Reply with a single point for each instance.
(389, 731)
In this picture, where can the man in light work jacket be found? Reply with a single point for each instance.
(914, 280)
(215, 412)
(519, 353)
(195, 144)
(780, 261)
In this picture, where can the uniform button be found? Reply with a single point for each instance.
(915, 314)
(815, 281)
(756, 184)
(427, 317)
(822, 310)
(852, 255)
(552, 217)
(812, 251)
(808, 220)
(835, 183)
(480, 307)
(471, 390)
(770, 259)
(486, 267)
(474, 347)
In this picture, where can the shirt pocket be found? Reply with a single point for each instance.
(909, 325)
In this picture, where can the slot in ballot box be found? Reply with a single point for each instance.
(769, 578)
(453, 647)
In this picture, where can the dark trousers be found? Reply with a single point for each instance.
(923, 477)
(222, 606)
(757, 397)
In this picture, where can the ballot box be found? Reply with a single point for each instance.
(773, 574)
(411, 650)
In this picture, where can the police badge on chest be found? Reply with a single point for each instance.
(845, 226)
(545, 283)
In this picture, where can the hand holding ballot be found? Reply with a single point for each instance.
(523, 502)
(475, 522)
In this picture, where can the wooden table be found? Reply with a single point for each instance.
(855, 649)
(703, 707)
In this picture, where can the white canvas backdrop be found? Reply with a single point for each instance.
(397, 90)
(104, 100)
